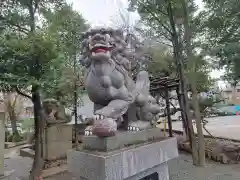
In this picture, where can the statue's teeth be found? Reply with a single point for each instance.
(90, 133)
(137, 129)
(134, 128)
(86, 133)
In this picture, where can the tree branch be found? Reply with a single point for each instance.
(21, 93)
(172, 112)
(156, 18)
(10, 23)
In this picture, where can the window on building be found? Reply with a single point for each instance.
(238, 90)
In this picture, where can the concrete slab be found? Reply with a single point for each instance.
(121, 140)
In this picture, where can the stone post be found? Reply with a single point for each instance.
(2, 142)
(4, 175)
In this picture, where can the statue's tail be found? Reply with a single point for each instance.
(143, 82)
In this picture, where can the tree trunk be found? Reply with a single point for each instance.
(38, 162)
(168, 113)
(39, 123)
(188, 36)
(183, 89)
(184, 120)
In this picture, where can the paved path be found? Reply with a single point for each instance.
(224, 126)
(20, 165)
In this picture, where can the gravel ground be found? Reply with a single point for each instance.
(181, 168)
(20, 165)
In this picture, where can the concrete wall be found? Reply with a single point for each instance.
(232, 95)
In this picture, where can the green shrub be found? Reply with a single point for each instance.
(27, 124)
(14, 137)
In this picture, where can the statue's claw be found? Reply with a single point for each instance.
(88, 131)
(132, 128)
(98, 117)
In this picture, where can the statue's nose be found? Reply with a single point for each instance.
(98, 37)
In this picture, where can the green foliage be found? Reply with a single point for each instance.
(45, 57)
(17, 57)
(27, 124)
(162, 62)
(154, 14)
(14, 137)
(221, 24)
(64, 25)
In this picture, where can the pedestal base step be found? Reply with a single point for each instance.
(121, 140)
(130, 163)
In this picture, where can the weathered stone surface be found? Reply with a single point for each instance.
(56, 150)
(121, 139)
(27, 152)
(57, 141)
(131, 163)
(58, 132)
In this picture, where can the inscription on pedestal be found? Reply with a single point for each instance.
(153, 176)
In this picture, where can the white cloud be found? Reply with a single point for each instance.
(98, 12)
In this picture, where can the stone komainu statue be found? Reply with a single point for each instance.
(54, 112)
(119, 101)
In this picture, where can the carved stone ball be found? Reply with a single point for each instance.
(104, 128)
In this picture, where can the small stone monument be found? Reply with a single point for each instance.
(3, 174)
(123, 143)
(57, 135)
(57, 138)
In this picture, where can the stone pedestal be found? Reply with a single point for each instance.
(130, 161)
(57, 141)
